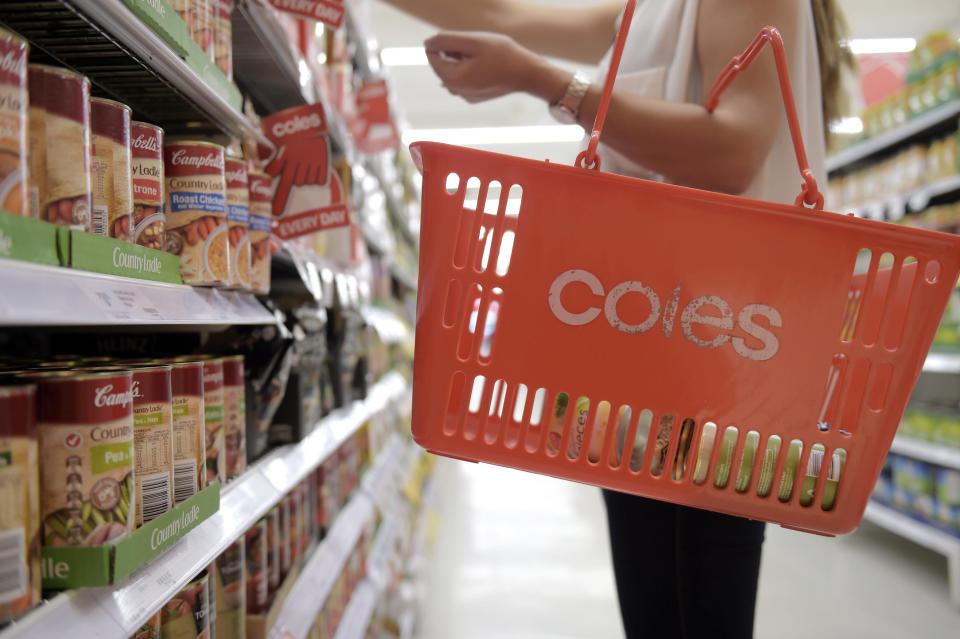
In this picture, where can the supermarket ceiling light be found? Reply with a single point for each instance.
(487, 135)
(403, 57)
(850, 126)
(882, 45)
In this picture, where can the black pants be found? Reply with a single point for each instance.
(683, 572)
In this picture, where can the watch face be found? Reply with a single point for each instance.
(562, 114)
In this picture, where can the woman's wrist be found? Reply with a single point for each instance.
(547, 81)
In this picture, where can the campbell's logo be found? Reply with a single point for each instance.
(183, 157)
(297, 124)
(707, 310)
(213, 378)
(135, 389)
(237, 175)
(261, 187)
(13, 62)
(104, 396)
(146, 143)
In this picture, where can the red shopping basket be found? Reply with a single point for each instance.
(709, 350)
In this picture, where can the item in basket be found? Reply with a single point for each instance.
(662, 444)
(260, 198)
(14, 167)
(238, 221)
(150, 629)
(768, 466)
(814, 462)
(683, 448)
(750, 446)
(837, 460)
(196, 211)
(59, 117)
(580, 411)
(644, 421)
(189, 431)
(146, 153)
(85, 426)
(187, 616)
(213, 409)
(20, 496)
(727, 447)
(273, 552)
(256, 568)
(234, 416)
(790, 468)
(153, 432)
(229, 576)
(110, 173)
(223, 37)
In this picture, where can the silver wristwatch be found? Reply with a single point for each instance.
(567, 108)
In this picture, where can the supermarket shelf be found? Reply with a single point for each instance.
(125, 60)
(893, 137)
(320, 572)
(922, 534)
(388, 325)
(117, 612)
(79, 298)
(365, 57)
(405, 279)
(358, 613)
(926, 451)
(895, 207)
(407, 623)
(942, 363)
(322, 569)
(264, 62)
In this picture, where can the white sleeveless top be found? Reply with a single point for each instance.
(660, 60)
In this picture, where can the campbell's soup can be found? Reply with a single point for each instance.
(223, 37)
(229, 577)
(261, 198)
(153, 434)
(203, 26)
(20, 497)
(213, 420)
(59, 116)
(14, 166)
(295, 531)
(146, 170)
(85, 427)
(238, 222)
(187, 616)
(286, 555)
(150, 629)
(256, 568)
(189, 431)
(196, 211)
(110, 169)
(234, 416)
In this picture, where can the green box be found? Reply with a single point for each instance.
(90, 252)
(27, 239)
(165, 22)
(160, 16)
(78, 567)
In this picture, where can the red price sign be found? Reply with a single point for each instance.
(326, 11)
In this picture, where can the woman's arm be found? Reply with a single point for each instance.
(720, 151)
(582, 34)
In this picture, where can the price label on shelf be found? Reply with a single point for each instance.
(117, 301)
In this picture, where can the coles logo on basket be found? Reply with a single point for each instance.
(73, 441)
(762, 346)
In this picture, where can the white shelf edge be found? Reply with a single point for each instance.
(389, 326)
(890, 138)
(96, 299)
(926, 451)
(358, 613)
(115, 18)
(914, 199)
(117, 612)
(942, 363)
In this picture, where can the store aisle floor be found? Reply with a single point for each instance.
(519, 556)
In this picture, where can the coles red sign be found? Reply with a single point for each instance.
(326, 11)
(373, 127)
(308, 195)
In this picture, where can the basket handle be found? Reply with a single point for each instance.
(809, 191)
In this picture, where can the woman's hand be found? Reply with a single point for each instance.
(480, 66)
